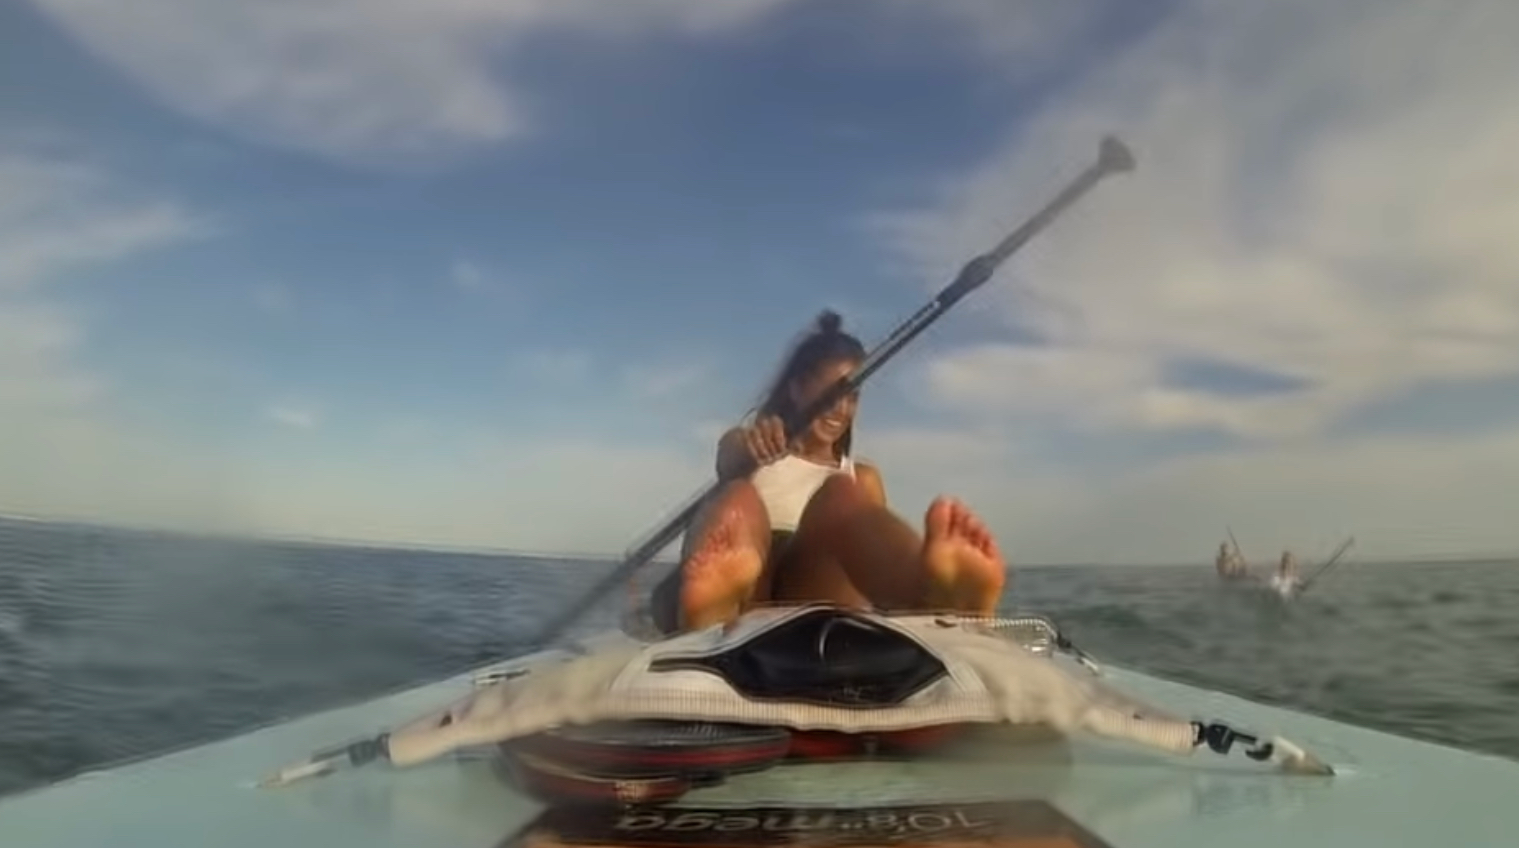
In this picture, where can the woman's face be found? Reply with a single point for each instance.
(831, 424)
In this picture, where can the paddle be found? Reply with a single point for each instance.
(1112, 158)
(1237, 550)
(1339, 552)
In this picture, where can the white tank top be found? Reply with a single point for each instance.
(786, 485)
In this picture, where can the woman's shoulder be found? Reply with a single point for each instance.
(731, 432)
(869, 478)
(863, 465)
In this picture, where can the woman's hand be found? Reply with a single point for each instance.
(765, 440)
(744, 449)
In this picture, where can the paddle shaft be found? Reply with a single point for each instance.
(1113, 157)
(1237, 551)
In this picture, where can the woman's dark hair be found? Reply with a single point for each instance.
(825, 344)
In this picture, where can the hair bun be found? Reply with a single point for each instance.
(830, 322)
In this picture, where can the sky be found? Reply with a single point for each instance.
(495, 273)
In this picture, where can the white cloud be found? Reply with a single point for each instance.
(295, 417)
(477, 280)
(408, 430)
(920, 463)
(409, 80)
(1020, 36)
(36, 376)
(656, 381)
(1399, 496)
(273, 298)
(468, 276)
(1310, 200)
(509, 491)
(59, 214)
(90, 468)
(554, 366)
(362, 81)
(641, 381)
(61, 453)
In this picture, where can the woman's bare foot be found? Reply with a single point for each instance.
(721, 572)
(965, 570)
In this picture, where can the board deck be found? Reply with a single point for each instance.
(1389, 791)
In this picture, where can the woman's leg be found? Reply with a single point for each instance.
(723, 559)
(850, 550)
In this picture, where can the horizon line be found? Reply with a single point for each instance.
(589, 558)
(312, 541)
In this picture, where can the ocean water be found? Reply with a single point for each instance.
(117, 644)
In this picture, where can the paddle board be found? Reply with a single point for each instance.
(1024, 791)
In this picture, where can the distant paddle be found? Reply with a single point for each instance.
(1339, 552)
(1112, 158)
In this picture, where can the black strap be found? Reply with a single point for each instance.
(1220, 738)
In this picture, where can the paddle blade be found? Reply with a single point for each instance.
(1294, 760)
(1114, 156)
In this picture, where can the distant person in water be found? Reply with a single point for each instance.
(806, 522)
(1285, 580)
(1228, 562)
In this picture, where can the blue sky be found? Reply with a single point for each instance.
(495, 273)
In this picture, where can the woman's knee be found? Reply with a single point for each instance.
(840, 495)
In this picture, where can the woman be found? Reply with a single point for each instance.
(1285, 581)
(806, 522)
(1224, 562)
(1229, 563)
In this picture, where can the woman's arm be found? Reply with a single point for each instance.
(743, 449)
(870, 480)
(733, 458)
